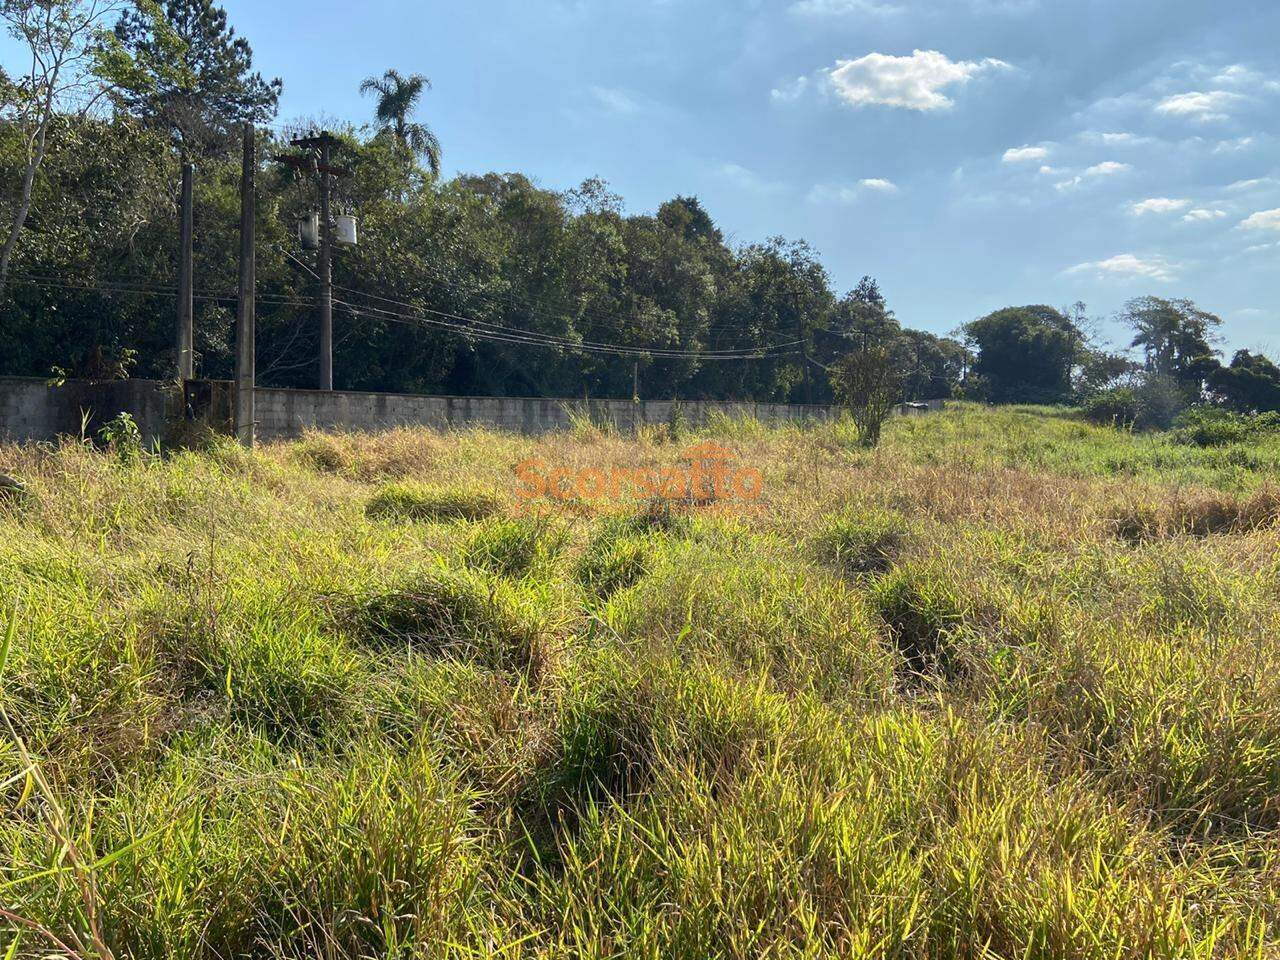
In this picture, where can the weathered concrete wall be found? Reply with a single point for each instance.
(32, 410)
(286, 413)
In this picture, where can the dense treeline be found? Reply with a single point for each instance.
(94, 266)
(453, 279)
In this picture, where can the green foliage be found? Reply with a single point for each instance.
(191, 76)
(1213, 427)
(1117, 407)
(121, 436)
(1025, 354)
(1250, 384)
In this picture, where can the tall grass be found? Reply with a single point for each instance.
(1006, 687)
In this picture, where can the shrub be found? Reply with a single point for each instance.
(1117, 407)
(122, 438)
(415, 502)
(1214, 427)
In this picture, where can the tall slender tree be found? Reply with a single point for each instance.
(195, 79)
(398, 97)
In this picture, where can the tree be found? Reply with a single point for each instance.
(1251, 384)
(1175, 337)
(1025, 354)
(194, 77)
(869, 382)
(64, 40)
(398, 97)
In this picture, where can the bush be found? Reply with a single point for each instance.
(414, 502)
(1117, 407)
(1214, 427)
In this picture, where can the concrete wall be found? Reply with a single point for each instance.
(286, 413)
(31, 410)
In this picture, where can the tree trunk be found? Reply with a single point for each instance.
(28, 184)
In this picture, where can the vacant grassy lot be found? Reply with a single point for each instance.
(1008, 686)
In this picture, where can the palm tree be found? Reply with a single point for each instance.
(398, 96)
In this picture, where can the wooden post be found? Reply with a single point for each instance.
(245, 360)
(186, 276)
(326, 272)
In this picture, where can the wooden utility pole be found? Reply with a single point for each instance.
(635, 381)
(245, 360)
(186, 279)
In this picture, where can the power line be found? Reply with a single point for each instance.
(498, 336)
(554, 338)
(473, 328)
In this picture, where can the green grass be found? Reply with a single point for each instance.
(1007, 686)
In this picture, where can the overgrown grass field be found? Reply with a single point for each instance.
(1007, 686)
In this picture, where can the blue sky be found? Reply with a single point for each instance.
(970, 154)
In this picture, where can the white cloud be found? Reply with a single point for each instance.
(833, 8)
(1260, 247)
(1201, 214)
(1024, 154)
(790, 92)
(1234, 146)
(826, 194)
(1125, 266)
(1263, 220)
(916, 82)
(748, 180)
(1199, 105)
(1107, 168)
(1241, 185)
(1157, 205)
(879, 185)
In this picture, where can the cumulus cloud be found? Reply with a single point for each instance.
(1025, 154)
(916, 82)
(1199, 105)
(1157, 205)
(1263, 220)
(1107, 168)
(1119, 139)
(1201, 214)
(1127, 266)
(879, 185)
(826, 194)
